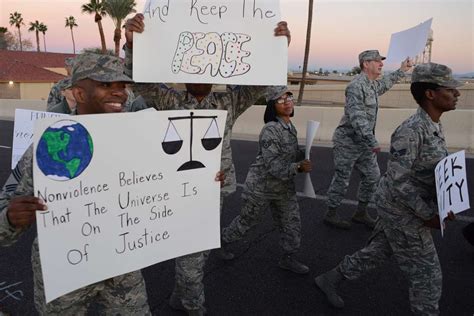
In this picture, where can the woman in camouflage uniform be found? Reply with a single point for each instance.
(271, 181)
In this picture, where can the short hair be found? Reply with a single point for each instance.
(418, 90)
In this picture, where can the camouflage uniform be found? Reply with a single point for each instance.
(189, 269)
(124, 294)
(406, 199)
(55, 97)
(354, 138)
(270, 182)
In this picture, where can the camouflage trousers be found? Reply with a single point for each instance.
(345, 159)
(285, 214)
(189, 277)
(122, 295)
(416, 255)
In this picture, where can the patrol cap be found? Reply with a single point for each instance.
(274, 92)
(435, 73)
(103, 68)
(368, 55)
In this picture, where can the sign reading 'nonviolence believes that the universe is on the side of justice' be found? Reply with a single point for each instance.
(124, 191)
(209, 41)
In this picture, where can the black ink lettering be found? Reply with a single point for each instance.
(446, 177)
(453, 166)
(75, 256)
(448, 189)
(459, 185)
(126, 220)
(89, 229)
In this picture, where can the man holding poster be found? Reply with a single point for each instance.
(406, 198)
(355, 145)
(188, 293)
(99, 87)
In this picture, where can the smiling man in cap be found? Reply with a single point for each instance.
(98, 85)
(355, 145)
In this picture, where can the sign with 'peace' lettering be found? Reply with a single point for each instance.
(211, 41)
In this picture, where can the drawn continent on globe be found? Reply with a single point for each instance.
(65, 150)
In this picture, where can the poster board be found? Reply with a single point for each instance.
(408, 43)
(203, 41)
(451, 185)
(23, 130)
(124, 191)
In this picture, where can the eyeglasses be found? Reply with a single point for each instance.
(285, 100)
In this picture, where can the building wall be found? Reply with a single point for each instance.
(35, 91)
(8, 91)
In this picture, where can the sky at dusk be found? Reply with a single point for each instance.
(341, 28)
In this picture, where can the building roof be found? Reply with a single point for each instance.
(30, 66)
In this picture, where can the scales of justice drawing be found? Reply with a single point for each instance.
(172, 142)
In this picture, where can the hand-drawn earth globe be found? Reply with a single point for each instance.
(64, 150)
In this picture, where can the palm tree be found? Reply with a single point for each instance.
(34, 26)
(71, 22)
(96, 7)
(306, 52)
(3, 41)
(43, 28)
(17, 21)
(118, 11)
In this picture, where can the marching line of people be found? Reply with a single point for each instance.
(405, 196)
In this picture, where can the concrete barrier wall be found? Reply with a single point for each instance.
(397, 97)
(458, 125)
(8, 106)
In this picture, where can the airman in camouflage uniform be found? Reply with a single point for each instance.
(125, 294)
(271, 181)
(67, 104)
(406, 198)
(354, 139)
(188, 293)
(55, 96)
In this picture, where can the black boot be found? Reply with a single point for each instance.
(328, 283)
(331, 218)
(361, 216)
(288, 262)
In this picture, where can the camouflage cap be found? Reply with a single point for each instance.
(435, 73)
(103, 68)
(368, 55)
(65, 84)
(275, 92)
(69, 61)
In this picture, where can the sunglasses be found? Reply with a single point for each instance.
(285, 100)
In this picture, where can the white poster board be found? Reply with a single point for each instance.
(451, 185)
(408, 43)
(311, 130)
(23, 131)
(203, 41)
(124, 191)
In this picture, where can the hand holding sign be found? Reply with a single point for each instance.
(451, 186)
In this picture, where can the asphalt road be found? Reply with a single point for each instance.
(252, 284)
